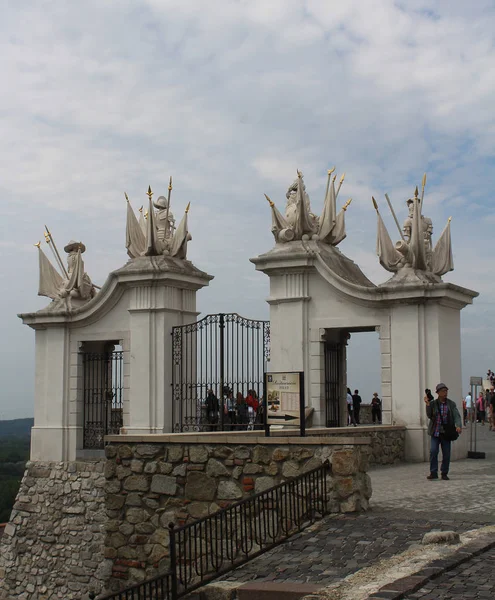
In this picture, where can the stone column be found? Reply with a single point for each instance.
(49, 435)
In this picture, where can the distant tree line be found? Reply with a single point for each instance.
(14, 453)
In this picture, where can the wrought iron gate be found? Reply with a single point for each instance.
(103, 377)
(218, 362)
(333, 356)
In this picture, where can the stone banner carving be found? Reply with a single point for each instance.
(299, 221)
(413, 257)
(155, 234)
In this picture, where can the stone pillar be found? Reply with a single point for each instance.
(426, 350)
(154, 310)
(49, 436)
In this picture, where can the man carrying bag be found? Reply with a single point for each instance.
(444, 427)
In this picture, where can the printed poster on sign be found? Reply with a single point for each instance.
(283, 394)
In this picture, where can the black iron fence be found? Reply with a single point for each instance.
(217, 376)
(210, 547)
(103, 388)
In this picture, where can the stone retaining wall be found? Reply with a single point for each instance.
(181, 479)
(53, 545)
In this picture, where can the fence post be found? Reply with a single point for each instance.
(221, 325)
(173, 560)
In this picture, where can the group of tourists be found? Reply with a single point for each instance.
(481, 409)
(239, 412)
(354, 402)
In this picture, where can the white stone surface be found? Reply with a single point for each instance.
(136, 308)
(316, 293)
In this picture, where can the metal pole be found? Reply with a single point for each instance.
(395, 217)
(302, 412)
(173, 559)
(222, 366)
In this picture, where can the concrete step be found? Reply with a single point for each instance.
(268, 590)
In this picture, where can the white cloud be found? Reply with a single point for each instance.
(230, 98)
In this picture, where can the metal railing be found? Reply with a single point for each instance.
(205, 549)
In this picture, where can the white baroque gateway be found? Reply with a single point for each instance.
(319, 297)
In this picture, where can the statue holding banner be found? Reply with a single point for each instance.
(414, 256)
(156, 234)
(73, 286)
(299, 221)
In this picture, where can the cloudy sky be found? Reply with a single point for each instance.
(230, 97)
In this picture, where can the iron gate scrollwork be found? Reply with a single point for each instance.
(218, 364)
(103, 377)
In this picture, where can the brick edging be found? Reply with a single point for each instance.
(408, 585)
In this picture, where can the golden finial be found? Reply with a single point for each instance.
(450, 219)
(269, 201)
(187, 207)
(126, 196)
(334, 178)
(141, 209)
(299, 174)
(374, 203)
(47, 237)
(346, 205)
(330, 171)
(38, 245)
(416, 193)
(342, 178)
(170, 183)
(424, 181)
(149, 192)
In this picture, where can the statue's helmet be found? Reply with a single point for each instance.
(161, 203)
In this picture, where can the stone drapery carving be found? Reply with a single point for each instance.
(75, 285)
(414, 255)
(155, 234)
(299, 221)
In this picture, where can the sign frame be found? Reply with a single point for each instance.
(302, 413)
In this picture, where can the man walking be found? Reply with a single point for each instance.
(444, 419)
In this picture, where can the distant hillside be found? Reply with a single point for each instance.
(16, 428)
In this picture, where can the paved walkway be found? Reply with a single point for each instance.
(404, 506)
(473, 580)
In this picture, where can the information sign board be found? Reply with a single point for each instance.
(284, 399)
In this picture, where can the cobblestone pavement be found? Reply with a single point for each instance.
(404, 507)
(475, 579)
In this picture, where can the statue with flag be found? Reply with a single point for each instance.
(413, 256)
(154, 234)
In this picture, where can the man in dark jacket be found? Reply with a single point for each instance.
(443, 414)
(356, 404)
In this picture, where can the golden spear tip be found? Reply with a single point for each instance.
(299, 174)
(424, 181)
(170, 183)
(187, 207)
(38, 245)
(342, 178)
(416, 193)
(126, 196)
(374, 203)
(450, 219)
(141, 209)
(149, 192)
(347, 204)
(334, 178)
(330, 171)
(269, 201)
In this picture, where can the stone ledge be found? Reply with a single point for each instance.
(227, 437)
(266, 590)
